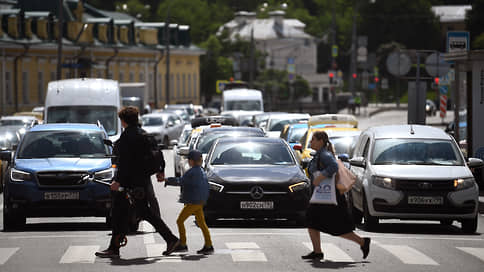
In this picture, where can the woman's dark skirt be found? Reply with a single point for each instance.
(330, 219)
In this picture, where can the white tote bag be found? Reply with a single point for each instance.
(325, 192)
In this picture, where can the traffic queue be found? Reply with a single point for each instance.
(259, 170)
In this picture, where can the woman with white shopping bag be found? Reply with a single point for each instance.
(327, 210)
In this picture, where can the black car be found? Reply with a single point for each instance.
(255, 177)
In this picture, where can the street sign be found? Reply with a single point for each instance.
(220, 85)
(362, 55)
(457, 41)
(334, 51)
(436, 65)
(398, 64)
(384, 83)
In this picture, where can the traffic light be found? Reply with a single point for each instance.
(436, 80)
(331, 77)
(354, 75)
(376, 79)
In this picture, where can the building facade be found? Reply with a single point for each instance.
(95, 44)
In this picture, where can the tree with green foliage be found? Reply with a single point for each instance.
(276, 85)
(475, 24)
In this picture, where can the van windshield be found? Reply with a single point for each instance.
(247, 105)
(107, 115)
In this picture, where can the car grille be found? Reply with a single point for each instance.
(246, 188)
(425, 185)
(61, 179)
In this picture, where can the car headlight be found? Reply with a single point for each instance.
(464, 183)
(19, 176)
(104, 175)
(298, 186)
(387, 183)
(427, 107)
(215, 186)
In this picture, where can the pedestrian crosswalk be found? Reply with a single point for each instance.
(259, 252)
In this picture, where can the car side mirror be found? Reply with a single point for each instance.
(358, 161)
(6, 155)
(170, 124)
(108, 142)
(475, 163)
(344, 157)
(297, 147)
(183, 151)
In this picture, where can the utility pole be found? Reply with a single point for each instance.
(353, 52)
(251, 60)
(167, 46)
(59, 39)
(334, 66)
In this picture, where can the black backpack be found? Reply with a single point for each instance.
(154, 161)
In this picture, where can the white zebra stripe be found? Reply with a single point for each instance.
(475, 251)
(409, 255)
(6, 253)
(156, 251)
(332, 252)
(79, 254)
(148, 238)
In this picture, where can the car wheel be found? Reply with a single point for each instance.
(11, 223)
(469, 225)
(446, 222)
(369, 221)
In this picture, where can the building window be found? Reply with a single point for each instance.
(184, 86)
(325, 94)
(141, 77)
(195, 87)
(159, 83)
(100, 74)
(178, 89)
(121, 76)
(150, 87)
(172, 84)
(25, 88)
(110, 75)
(8, 88)
(189, 83)
(53, 76)
(40, 87)
(131, 76)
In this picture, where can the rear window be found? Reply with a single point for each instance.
(416, 151)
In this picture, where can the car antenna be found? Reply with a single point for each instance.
(411, 130)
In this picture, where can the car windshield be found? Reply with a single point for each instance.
(206, 141)
(275, 153)
(108, 116)
(277, 124)
(152, 121)
(184, 136)
(47, 144)
(296, 134)
(416, 151)
(344, 145)
(247, 105)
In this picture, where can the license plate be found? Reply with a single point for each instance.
(256, 205)
(61, 195)
(426, 200)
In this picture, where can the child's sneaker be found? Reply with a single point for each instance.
(181, 248)
(206, 250)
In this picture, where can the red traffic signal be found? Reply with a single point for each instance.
(331, 74)
(376, 79)
(436, 80)
(354, 75)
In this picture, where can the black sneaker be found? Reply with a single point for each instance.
(206, 250)
(181, 248)
(313, 255)
(170, 247)
(108, 253)
(366, 247)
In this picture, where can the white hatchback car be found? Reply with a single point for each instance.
(412, 172)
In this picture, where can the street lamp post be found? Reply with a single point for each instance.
(59, 39)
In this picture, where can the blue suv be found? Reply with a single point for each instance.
(49, 174)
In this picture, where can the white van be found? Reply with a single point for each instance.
(84, 100)
(242, 100)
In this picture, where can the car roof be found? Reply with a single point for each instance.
(65, 126)
(235, 129)
(18, 117)
(408, 131)
(250, 139)
(158, 114)
(299, 125)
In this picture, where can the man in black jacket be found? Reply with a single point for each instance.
(133, 147)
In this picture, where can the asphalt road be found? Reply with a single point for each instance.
(68, 244)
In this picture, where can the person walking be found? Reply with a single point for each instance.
(133, 147)
(331, 219)
(194, 187)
